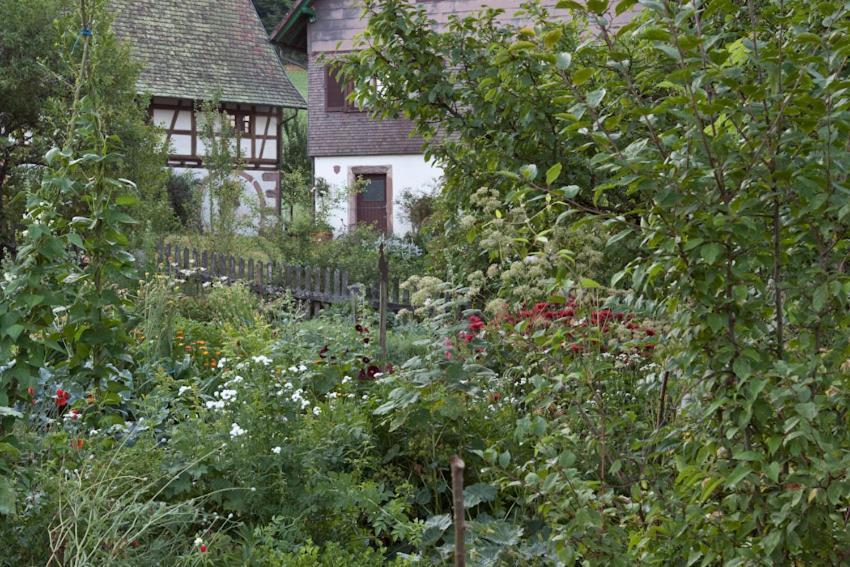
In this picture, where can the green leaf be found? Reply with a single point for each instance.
(598, 7)
(588, 283)
(739, 474)
(563, 60)
(505, 459)
(529, 172)
(127, 199)
(553, 173)
(595, 98)
(478, 493)
(624, 6)
(14, 331)
(710, 252)
(7, 496)
(747, 456)
(10, 412)
(741, 367)
(808, 410)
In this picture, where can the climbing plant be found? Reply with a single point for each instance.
(62, 312)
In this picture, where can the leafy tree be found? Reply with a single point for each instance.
(222, 185)
(271, 11)
(487, 110)
(715, 132)
(26, 83)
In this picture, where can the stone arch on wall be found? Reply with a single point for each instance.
(261, 194)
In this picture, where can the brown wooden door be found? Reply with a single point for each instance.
(372, 202)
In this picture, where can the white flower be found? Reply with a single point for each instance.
(333, 395)
(236, 431)
(302, 368)
(235, 380)
(213, 404)
(346, 379)
(228, 395)
(276, 450)
(221, 363)
(198, 542)
(317, 410)
(183, 390)
(288, 385)
(264, 360)
(293, 369)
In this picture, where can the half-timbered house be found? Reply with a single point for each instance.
(192, 52)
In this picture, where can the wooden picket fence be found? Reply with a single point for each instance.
(313, 285)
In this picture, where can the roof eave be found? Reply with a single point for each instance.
(283, 30)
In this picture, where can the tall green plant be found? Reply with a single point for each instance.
(221, 161)
(61, 307)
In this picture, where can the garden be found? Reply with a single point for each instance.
(628, 305)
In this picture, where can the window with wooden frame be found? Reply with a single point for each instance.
(336, 93)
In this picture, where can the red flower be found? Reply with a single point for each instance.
(650, 332)
(366, 340)
(31, 391)
(476, 324)
(358, 327)
(576, 347)
(203, 548)
(368, 373)
(62, 398)
(324, 352)
(135, 543)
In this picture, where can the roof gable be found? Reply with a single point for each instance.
(194, 49)
(292, 28)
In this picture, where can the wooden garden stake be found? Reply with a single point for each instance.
(383, 290)
(457, 496)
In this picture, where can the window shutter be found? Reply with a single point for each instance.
(334, 93)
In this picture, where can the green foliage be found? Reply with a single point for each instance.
(63, 314)
(271, 11)
(26, 57)
(222, 187)
(712, 133)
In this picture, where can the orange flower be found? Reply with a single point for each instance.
(212, 363)
(188, 348)
(77, 444)
(201, 342)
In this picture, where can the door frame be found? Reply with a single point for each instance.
(356, 171)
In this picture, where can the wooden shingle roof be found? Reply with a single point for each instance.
(193, 49)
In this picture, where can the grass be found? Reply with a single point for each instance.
(298, 76)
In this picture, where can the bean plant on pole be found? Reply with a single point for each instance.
(63, 314)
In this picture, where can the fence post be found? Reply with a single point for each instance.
(458, 465)
(384, 272)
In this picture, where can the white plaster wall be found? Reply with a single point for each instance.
(259, 190)
(410, 174)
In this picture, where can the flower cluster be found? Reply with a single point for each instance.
(62, 398)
